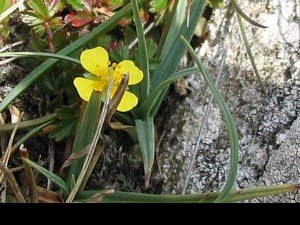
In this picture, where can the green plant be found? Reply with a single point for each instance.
(159, 66)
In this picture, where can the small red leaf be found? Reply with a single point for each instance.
(79, 19)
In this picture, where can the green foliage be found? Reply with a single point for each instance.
(116, 3)
(76, 4)
(41, 16)
(158, 5)
(159, 63)
(119, 54)
(68, 117)
(154, 62)
(215, 4)
(2, 5)
(57, 180)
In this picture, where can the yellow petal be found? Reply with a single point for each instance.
(95, 61)
(127, 102)
(127, 66)
(85, 87)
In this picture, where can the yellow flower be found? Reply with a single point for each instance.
(97, 63)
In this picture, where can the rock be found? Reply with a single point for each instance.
(283, 166)
(263, 122)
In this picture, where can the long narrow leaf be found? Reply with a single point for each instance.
(37, 54)
(233, 136)
(234, 196)
(29, 123)
(94, 150)
(57, 180)
(153, 97)
(85, 132)
(40, 70)
(174, 49)
(28, 135)
(242, 28)
(178, 21)
(143, 53)
(145, 134)
(29, 177)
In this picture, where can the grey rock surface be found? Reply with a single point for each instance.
(263, 122)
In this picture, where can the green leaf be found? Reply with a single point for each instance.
(158, 5)
(118, 55)
(151, 48)
(116, 3)
(85, 132)
(173, 49)
(34, 21)
(143, 53)
(152, 98)
(145, 134)
(232, 132)
(39, 8)
(242, 28)
(28, 135)
(56, 179)
(234, 196)
(29, 123)
(215, 4)
(2, 4)
(40, 70)
(37, 54)
(48, 84)
(67, 121)
(76, 4)
(104, 40)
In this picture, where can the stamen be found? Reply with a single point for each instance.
(114, 65)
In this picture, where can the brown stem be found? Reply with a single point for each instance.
(49, 37)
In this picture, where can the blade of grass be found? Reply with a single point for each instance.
(143, 52)
(152, 99)
(97, 197)
(170, 14)
(173, 52)
(174, 49)
(40, 70)
(232, 132)
(245, 40)
(28, 135)
(38, 54)
(145, 135)
(85, 132)
(234, 196)
(57, 180)
(82, 175)
(29, 123)
(13, 183)
(29, 177)
(177, 18)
